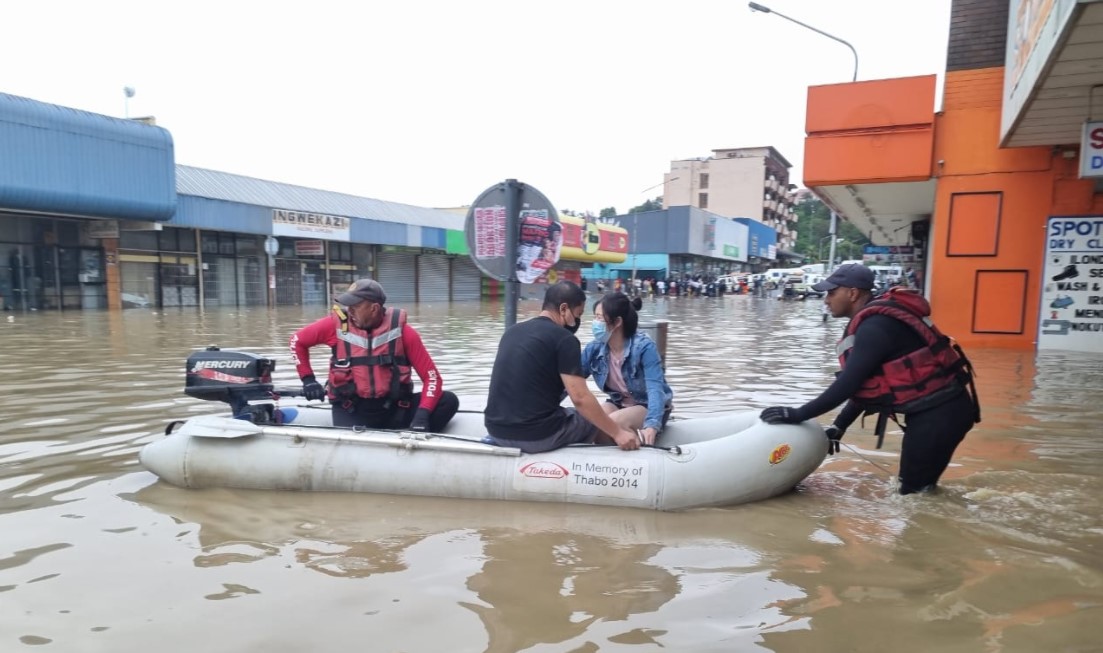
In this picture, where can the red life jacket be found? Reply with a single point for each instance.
(924, 378)
(370, 365)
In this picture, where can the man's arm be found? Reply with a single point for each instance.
(422, 362)
(320, 332)
(588, 406)
(873, 344)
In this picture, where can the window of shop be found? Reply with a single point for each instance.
(158, 268)
(233, 274)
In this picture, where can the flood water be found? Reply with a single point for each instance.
(97, 555)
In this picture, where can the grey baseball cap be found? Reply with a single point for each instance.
(363, 290)
(851, 275)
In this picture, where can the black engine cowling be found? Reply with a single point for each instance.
(235, 377)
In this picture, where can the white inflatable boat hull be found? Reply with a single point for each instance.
(717, 460)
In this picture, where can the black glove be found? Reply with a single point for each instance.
(780, 415)
(421, 420)
(834, 434)
(312, 389)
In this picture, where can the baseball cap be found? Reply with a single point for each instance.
(851, 275)
(363, 290)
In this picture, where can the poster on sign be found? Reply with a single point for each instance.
(1072, 285)
(539, 245)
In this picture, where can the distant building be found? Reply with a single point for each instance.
(745, 182)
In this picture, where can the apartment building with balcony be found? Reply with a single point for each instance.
(742, 182)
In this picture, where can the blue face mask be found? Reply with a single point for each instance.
(600, 334)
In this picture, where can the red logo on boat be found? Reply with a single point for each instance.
(544, 469)
(780, 453)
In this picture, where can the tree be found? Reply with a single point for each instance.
(650, 205)
(813, 227)
(608, 212)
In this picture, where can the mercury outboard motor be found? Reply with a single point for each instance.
(235, 377)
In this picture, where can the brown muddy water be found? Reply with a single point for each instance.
(97, 555)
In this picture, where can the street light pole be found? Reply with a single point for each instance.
(635, 232)
(766, 10)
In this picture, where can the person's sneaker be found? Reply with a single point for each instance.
(1070, 272)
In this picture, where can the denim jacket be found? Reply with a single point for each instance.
(642, 371)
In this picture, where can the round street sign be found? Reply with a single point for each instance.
(539, 239)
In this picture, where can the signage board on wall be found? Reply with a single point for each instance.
(310, 248)
(302, 224)
(1034, 29)
(102, 228)
(1091, 150)
(1071, 310)
(889, 254)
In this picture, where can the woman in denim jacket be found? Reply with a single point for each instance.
(626, 365)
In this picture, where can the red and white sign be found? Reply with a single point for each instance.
(309, 248)
(1091, 150)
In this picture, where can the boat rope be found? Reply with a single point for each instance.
(881, 468)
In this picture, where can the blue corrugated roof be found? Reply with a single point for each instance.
(61, 160)
(213, 184)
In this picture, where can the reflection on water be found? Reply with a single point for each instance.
(96, 555)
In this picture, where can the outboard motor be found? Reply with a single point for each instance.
(235, 377)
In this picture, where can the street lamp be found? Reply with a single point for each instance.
(822, 240)
(766, 10)
(128, 92)
(635, 232)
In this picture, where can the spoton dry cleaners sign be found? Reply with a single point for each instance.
(1072, 287)
(309, 225)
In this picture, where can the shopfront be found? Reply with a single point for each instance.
(81, 178)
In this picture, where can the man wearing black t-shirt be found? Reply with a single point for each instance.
(932, 431)
(537, 361)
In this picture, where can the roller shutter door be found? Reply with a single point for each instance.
(432, 278)
(467, 280)
(397, 274)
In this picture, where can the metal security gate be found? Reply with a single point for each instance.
(432, 278)
(467, 280)
(396, 272)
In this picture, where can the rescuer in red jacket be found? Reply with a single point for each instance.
(374, 352)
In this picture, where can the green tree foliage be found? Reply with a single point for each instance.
(813, 226)
(608, 212)
(650, 205)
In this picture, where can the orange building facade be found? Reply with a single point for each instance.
(975, 185)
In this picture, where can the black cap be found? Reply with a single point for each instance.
(851, 275)
(363, 290)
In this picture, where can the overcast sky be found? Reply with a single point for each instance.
(429, 102)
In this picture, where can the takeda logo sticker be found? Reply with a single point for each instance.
(780, 453)
(544, 469)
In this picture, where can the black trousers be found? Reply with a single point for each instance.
(372, 413)
(930, 438)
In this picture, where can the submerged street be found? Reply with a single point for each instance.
(98, 555)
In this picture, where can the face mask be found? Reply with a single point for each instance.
(600, 334)
(573, 328)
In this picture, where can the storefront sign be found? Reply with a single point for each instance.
(888, 254)
(309, 225)
(1091, 150)
(1072, 285)
(102, 228)
(310, 248)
